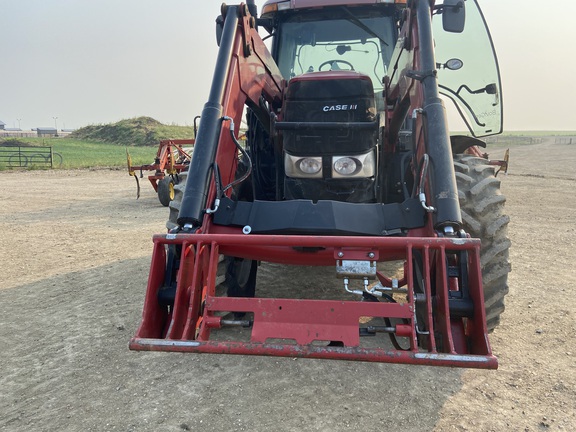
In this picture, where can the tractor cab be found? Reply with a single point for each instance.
(362, 36)
(334, 60)
(359, 38)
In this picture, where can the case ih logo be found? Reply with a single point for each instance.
(340, 107)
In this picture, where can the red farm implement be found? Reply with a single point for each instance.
(173, 157)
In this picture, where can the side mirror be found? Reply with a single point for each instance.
(219, 28)
(453, 16)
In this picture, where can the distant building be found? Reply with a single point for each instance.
(46, 131)
(2, 125)
(12, 129)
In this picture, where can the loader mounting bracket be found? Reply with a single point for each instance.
(431, 333)
(322, 217)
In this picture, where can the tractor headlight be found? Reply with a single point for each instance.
(310, 165)
(353, 166)
(303, 167)
(346, 166)
(342, 166)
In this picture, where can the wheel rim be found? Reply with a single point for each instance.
(171, 190)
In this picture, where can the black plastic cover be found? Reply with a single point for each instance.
(329, 97)
(321, 218)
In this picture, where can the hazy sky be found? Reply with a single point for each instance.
(100, 61)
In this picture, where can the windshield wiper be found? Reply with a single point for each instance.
(352, 18)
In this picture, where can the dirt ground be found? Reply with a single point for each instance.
(75, 249)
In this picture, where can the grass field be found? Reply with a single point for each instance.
(90, 154)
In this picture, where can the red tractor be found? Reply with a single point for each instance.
(348, 164)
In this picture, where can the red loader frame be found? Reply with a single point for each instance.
(188, 327)
(431, 330)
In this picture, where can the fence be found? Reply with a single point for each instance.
(512, 139)
(17, 134)
(521, 139)
(564, 140)
(21, 157)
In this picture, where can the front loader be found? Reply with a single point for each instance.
(349, 165)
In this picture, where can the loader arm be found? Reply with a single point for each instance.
(414, 83)
(245, 72)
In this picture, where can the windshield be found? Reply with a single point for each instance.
(475, 87)
(343, 38)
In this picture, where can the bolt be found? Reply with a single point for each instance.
(371, 255)
(340, 254)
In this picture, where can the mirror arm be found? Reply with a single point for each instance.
(440, 8)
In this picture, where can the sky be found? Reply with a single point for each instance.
(71, 63)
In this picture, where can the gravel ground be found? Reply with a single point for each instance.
(75, 251)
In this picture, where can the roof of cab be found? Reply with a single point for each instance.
(272, 6)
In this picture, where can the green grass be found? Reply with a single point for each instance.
(78, 154)
(87, 154)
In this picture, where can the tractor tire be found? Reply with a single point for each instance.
(165, 191)
(482, 207)
(235, 276)
(174, 204)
